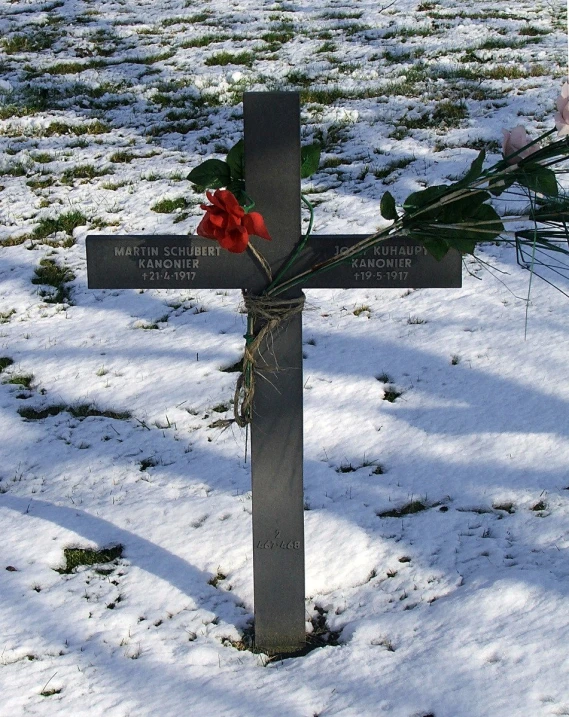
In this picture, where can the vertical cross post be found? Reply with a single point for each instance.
(272, 169)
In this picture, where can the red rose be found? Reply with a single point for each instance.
(227, 222)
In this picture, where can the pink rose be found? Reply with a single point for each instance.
(514, 142)
(562, 114)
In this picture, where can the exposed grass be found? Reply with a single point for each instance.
(507, 507)
(383, 172)
(299, 78)
(41, 183)
(77, 557)
(80, 411)
(384, 378)
(486, 14)
(18, 169)
(217, 578)
(342, 15)
(205, 40)
(73, 68)
(113, 186)
(349, 467)
(498, 43)
(531, 31)
(329, 95)
(229, 58)
(83, 171)
(279, 34)
(173, 128)
(320, 636)
(66, 222)
(5, 361)
(415, 506)
(332, 163)
(14, 240)
(168, 206)
(31, 41)
(151, 59)
(391, 394)
(37, 95)
(233, 368)
(61, 128)
(48, 273)
(327, 46)
(221, 408)
(20, 379)
(404, 31)
(121, 157)
(43, 157)
(199, 17)
(146, 463)
(449, 113)
(185, 20)
(51, 691)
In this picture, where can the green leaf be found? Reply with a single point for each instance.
(464, 207)
(237, 188)
(538, 179)
(447, 209)
(463, 234)
(309, 160)
(473, 173)
(501, 183)
(417, 200)
(211, 174)
(437, 248)
(236, 161)
(550, 209)
(483, 225)
(462, 244)
(387, 207)
(490, 226)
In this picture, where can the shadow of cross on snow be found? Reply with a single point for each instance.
(272, 169)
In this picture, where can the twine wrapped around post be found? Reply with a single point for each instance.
(265, 314)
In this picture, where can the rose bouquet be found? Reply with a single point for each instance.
(461, 215)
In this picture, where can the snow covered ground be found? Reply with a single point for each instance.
(436, 524)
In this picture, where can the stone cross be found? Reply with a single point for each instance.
(272, 170)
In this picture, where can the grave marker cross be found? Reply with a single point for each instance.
(272, 168)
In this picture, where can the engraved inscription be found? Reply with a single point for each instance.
(278, 544)
(166, 251)
(275, 544)
(389, 264)
(166, 263)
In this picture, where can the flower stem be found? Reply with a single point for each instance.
(262, 261)
(354, 251)
(294, 255)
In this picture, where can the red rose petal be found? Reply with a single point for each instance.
(255, 224)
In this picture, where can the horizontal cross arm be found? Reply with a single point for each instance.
(170, 262)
